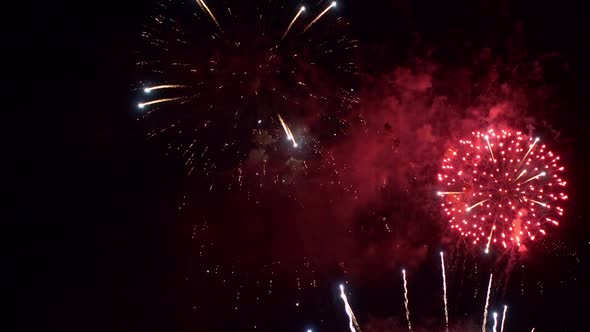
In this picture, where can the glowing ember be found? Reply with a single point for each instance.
(501, 189)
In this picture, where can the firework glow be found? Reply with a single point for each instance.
(487, 195)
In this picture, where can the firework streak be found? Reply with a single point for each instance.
(352, 323)
(406, 302)
(444, 279)
(485, 310)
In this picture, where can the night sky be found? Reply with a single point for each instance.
(103, 246)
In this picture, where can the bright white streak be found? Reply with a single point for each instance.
(293, 22)
(534, 177)
(444, 276)
(406, 302)
(503, 318)
(288, 132)
(485, 309)
(142, 105)
(333, 4)
(204, 6)
(165, 86)
(489, 146)
(490, 239)
(529, 151)
(540, 203)
(521, 174)
(533, 330)
(440, 193)
(495, 322)
(352, 323)
(476, 204)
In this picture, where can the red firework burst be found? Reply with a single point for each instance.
(502, 188)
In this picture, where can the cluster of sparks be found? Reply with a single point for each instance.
(221, 86)
(501, 188)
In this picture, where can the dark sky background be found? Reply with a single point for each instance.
(100, 247)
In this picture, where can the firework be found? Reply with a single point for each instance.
(444, 279)
(332, 5)
(503, 318)
(494, 328)
(501, 188)
(219, 78)
(352, 323)
(485, 310)
(406, 302)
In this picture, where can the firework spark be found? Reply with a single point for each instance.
(406, 302)
(332, 5)
(204, 6)
(165, 86)
(485, 310)
(503, 318)
(352, 323)
(288, 132)
(486, 195)
(494, 328)
(301, 10)
(444, 279)
(158, 101)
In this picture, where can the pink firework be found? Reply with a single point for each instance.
(501, 188)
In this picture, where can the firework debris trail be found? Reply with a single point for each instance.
(444, 279)
(204, 6)
(503, 318)
(352, 323)
(288, 132)
(406, 302)
(485, 310)
(332, 5)
(165, 86)
(301, 10)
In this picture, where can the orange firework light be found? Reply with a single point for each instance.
(501, 189)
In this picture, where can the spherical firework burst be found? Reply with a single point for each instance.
(220, 81)
(501, 188)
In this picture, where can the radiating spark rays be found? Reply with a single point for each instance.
(503, 318)
(352, 323)
(301, 10)
(490, 147)
(158, 101)
(494, 328)
(204, 6)
(332, 5)
(444, 278)
(476, 204)
(406, 301)
(534, 177)
(288, 132)
(485, 310)
(529, 151)
(441, 193)
(164, 86)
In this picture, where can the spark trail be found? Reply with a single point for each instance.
(164, 86)
(495, 322)
(301, 10)
(444, 278)
(485, 310)
(406, 302)
(158, 101)
(288, 132)
(204, 6)
(352, 323)
(332, 5)
(503, 318)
